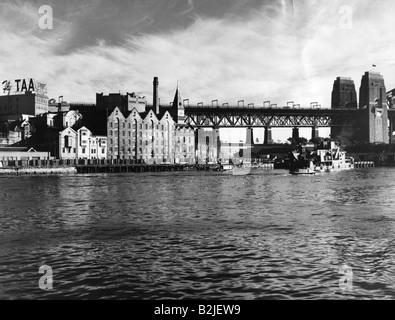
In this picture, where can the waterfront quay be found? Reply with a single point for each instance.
(93, 166)
(107, 166)
(118, 166)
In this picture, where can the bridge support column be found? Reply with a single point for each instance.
(196, 131)
(208, 145)
(250, 136)
(391, 129)
(295, 133)
(268, 135)
(314, 132)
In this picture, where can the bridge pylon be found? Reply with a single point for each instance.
(314, 132)
(373, 103)
(268, 135)
(295, 133)
(250, 136)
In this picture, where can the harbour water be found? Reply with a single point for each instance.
(199, 235)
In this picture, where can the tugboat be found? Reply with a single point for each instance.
(301, 162)
(331, 158)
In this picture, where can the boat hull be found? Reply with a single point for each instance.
(325, 168)
(308, 172)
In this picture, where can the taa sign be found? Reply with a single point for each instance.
(20, 86)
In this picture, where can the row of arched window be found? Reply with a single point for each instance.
(141, 126)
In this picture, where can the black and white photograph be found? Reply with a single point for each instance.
(213, 152)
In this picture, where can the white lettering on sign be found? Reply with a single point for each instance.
(346, 19)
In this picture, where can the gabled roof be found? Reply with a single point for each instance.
(68, 128)
(117, 110)
(150, 114)
(134, 114)
(166, 114)
(81, 128)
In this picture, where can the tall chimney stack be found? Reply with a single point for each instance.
(156, 95)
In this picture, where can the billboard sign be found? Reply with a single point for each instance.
(20, 86)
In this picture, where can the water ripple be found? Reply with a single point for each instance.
(198, 235)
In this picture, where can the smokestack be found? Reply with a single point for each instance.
(156, 95)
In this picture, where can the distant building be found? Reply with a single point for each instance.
(81, 144)
(75, 140)
(21, 153)
(28, 103)
(60, 133)
(83, 106)
(61, 106)
(208, 149)
(23, 96)
(141, 137)
(59, 120)
(391, 99)
(68, 144)
(344, 96)
(151, 136)
(124, 103)
(13, 132)
(146, 137)
(184, 144)
(391, 105)
(374, 109)
(90, 146)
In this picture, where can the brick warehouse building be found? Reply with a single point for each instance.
(156, 135)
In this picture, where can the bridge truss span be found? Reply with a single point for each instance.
(238, 117)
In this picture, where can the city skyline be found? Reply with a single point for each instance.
(226, 50)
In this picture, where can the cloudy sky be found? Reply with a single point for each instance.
(230, 50)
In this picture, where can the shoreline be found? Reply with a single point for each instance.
(83, 169)
(37, 171)
(134, 169)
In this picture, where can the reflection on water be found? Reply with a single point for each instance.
(194, 235)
